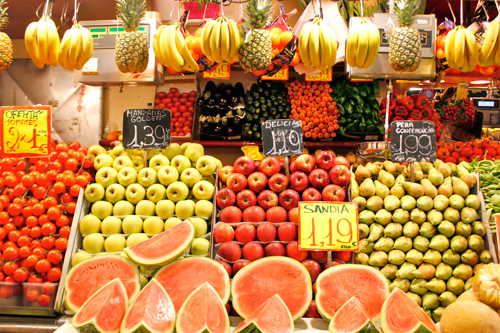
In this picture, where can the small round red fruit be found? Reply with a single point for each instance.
(231, 251)
(266, 232)
(275, 249)
(253, 251)
(245, 233)
(292, 251)
(223, 233)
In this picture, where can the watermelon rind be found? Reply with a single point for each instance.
(191, 310)
(359, 277)
(89, 275)
(160, 240)
(111, 307)
(255, 271)
(352, 313)
(163, 312)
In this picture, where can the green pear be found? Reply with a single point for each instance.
(464, 229)
(446, 228)
(470, 257)
(426, 166)
(439, 243)
(446, 188)
(396, 257)
(457, 202)
(421, 243)
(364, 230)
(425, 203)
(365, 246)
(460, 187)
(463, 271)
(391, 203)
(376, 231)
(415, 298)
(425, 271)
(459, 244)
(435, 177)
(403, 243)
(378, 259)
(403, 284)
(427, 230)
(451, 214)
(406, 270)
(451, 258)
(434, 216)
(374, 169)
(442, 167)
(384, 244)
(418, 286)
(418, 173)
(441, 202)
(414, 257)
(430, 301)
(452, 166)
(361, 202)
(418, 216)
(383, 217)
(390, 167)
(414, 189)
(400, 216)
(476, 243)
(485, 257)
(408, 202)
(429, 189)
(478, 228)
(455, 285)
(461, 171)
(375, 203)
(444, 271)
(436, 285)
(362, 173)
(386, 178)
(381, 190)
(362, 258)
(398, 190)
(473, 201)
(393, 230)
(367, 188)
(366, 216)
(411, 229)
(468, 215)
(469, 179)
(389, 271)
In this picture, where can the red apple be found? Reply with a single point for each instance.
(287, 232)
(305, 163)
(270, 165)
(319, 178)
(278, 182)
(254, 214)
(319, 256)
(231, 214)
(224, 173)
(335, 262)
(245, 199)
(333, 192)
(341, 160)
(253, 251)
(340, 175)
(312, 312)
(292, 251)
(344, 256)
(313, 268)
(276, 214)
(274, 249)
(223, 232)
(231, 251)
(293, 215)
(245, 233)
(325, 159)
(226, 266)
(311, 194)
(237, 182)
(267, 199)
(289, 199)
(225, 197)
(292, 167)
(244, 165)
(299, 181)
(266, 232)
(282, 166)
(257, 182)
(239, 264)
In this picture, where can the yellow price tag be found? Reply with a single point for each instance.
(282, 74)
(219, 71)
(323, 76)
(25, 131)
(328, 226)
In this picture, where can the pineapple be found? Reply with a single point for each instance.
(255, 54)
(131, 48)
(5, 42)
(405, 49)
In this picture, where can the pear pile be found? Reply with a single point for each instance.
(426, 237)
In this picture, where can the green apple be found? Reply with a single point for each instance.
(117, 150)
(151, 153)
(95, 150)
(219, 163)
(106, 176)
(153, 225)
(147, 177)
(145, 208)
(156, 192)
(203, 208)
(158, 161)
(184, 147)
(103, 160)
(127, 176)
(123, 208)
(135, 193)
(210, 179)
(102, 209)
(190, 176)
(79, 257)
(203, 190)
(172, 222)
(206, 165)
(122, 162)
(173, 150)
(194, 151)
(200, 226)
(184, 209)
(93, 243)
(94, 192)
(132, 224)
(115, 243)
(200, 246)
(115, 192)
(167, 175)
(181, 163)
(136, 238)
(138, 162)
(177, 191)
(165, 208)
(111, 225)
(90, 224)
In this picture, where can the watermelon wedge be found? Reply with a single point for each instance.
(337, 284)
(104, 310)
(152, 311)
(256, 282)
(400, 314)
(352, 318)
(183, 276)
(203, 311)
(163, 247)
(88, 276)
(272, 316)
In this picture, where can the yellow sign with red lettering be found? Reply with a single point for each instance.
(281, 75)
(25, 131)
(219, 71)
(328, 226)
(323, 76)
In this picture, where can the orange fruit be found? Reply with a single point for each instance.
(195, 55)
(441, 41)
(197, 33)
(440, 53)
(196, 45)
(295, 60)
(275, 40)
(286, 37)
(259, 73)
(170, 70)
(189, 40)
(275, 30)
(487, 70)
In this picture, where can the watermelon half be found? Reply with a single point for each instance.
(352, 318)
(272, 316)
(400, 314)
(104, 310)
(256, 282)
(88, 276)
(151, 311)
(164, 247)
(183, 276)
(337, 284)
(203, 311)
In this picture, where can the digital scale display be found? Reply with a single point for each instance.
(486, 103)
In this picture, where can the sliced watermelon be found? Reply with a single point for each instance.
(183, 276)
(337, 284)
(104, 311)
(256, 282)
(164, 247)
(272, 316)
(203, 311)
(88, 276)
(152, 311)
(400, 314)
(352, 318)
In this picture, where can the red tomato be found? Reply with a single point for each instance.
(61, 243)
(38, 209)
(21, 274)
(62, 221)
(31, 221)
(39, 252)
(71, 208)
(24, 252)
(64, 232)
(53, 213)
(31, 261)
(10, 253)
(42, 266)
(9, 268)
(61, 147)
(14, 235)
(54, 274)
(71, 164)
(32, 294)
(35, 278)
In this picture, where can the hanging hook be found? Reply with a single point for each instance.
(320, 9)
(452, 13)
(461, 12)
(486, 12)
(46, 9)
(77, 8)
(362, 8)
(222, 8)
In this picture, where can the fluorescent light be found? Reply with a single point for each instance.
(442, 81)
(480, 82)
(415, 89)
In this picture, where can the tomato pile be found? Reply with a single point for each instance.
(482, 149)
(181, 106)
(36, 213)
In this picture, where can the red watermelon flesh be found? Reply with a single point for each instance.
(88, 276)
(272, 316)
(203, 311)
(352, 318)
(152, 310)
(183, 276)
(337, 284)
(104, 310)
(400, 314)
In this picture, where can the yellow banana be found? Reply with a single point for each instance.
(215, 42)
(325, 46)
(180, 44)
(304, 44)
(31, 45)
(53, 43)
(448, 48)
(87, 48)
(205, 38)
(234, 33)
(459, 48)
(42, 40)
(162, 43)
(472, 50)
(170, 46)
(333, 45)
(373, 44)
(225, 42)
(64, 50)
(76, 46)
(156, 46)
(352, 46)
(362, 51)
(314, 51)
(488, 47)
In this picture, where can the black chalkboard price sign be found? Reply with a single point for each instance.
(282, 137)
(146, 128)
(413, 141)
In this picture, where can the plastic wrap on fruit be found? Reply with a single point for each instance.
(253, 152)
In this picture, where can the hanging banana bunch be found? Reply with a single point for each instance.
(220, 40)
(461, 49)
(362, 44)
(77, 46)
(317, 45)
(42, 41)
(490, 49)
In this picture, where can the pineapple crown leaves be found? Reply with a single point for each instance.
(406, 11)
(4, 19)
(259, 12)
(130, 13)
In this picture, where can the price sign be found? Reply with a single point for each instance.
(282, 137)
(25, 131)
(282, 74)
(413, 141)
(323, 76)
(328, 226)
(219, 71)
(146, 128)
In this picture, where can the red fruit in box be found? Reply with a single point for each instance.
(277, 182)
(266, 232)
(276, 214)
(312, 312)
(319, 256)
(319, 178)
(289, 199)
(299, 181)
(311, 194)
(274, 249)
(244, 165)
(254, 214)
(239, 264)
(292, 251)
(344, 256)
(305, 163)
(341, 160)
(231, 214)
(267, 199)
(230, 251)
(246, 198)
(325, 159)
(253, 251)
(257, 182)
(245, 233)
(269, 166)
(333, 192)
(237, 182)
(293, 215)
(224, 173)
(225, 197)
(313, 268)
(340, 175)
(226, 266)
(223, 233)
